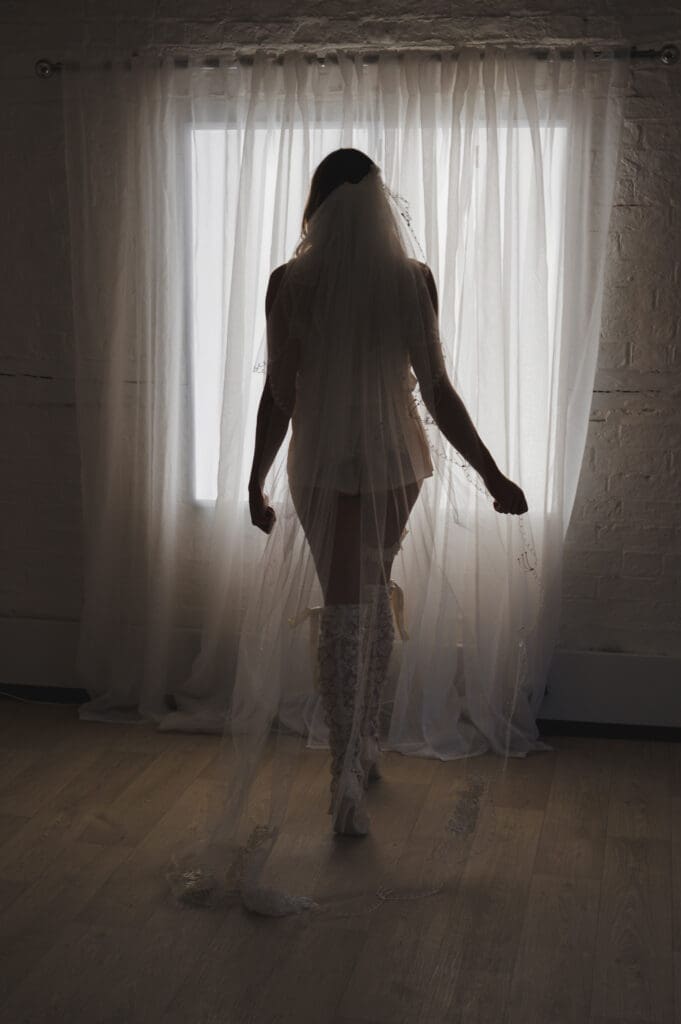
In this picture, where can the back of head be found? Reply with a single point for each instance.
(342, 165)
(349, 219)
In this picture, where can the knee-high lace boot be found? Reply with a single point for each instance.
(381, 641)
(340, 638)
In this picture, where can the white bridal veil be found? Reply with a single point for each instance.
(354, 356)
(195, 621)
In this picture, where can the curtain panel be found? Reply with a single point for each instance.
(186, 188)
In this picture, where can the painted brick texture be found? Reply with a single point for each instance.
(622, 572)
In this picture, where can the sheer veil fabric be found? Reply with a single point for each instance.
(509, 167)
(352, 333)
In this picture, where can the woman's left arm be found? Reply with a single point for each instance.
(271, 427)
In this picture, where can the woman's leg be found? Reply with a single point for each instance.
(396, 508)
(366, 533)
(353, 540)
(331, 525)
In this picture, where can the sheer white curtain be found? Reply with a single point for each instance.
(186, 188)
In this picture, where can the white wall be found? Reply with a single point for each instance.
(623, 559)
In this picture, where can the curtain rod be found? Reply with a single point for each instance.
(667, 54)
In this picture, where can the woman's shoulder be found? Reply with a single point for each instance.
(423, 267)
(430, 280)
(278, 273)
(418, 265)
(273, 285)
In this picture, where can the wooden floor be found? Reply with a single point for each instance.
(566, 908)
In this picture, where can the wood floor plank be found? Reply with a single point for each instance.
(406, 934)
(305, 843)
(397, 961)
(9, 892)
(398, 767)
(620, 1020)
(676, 863)
(133, 891)
(235, 968)
(78, 810)
(573, 836)
(633, 966)
(676, 896)
(479, 996)
(311, 975)
(10, 824)
(14, 763)
(32, 788)
(47, 994)
(676, 791)
(552, 978)
(34, 921)
(474, 964)
(520, 782)
(143, 967)
(641, 793)
(49, 725)
(353, 1020)
(151, 792)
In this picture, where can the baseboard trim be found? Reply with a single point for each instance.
(549, 728)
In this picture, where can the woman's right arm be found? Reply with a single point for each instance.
(271, 423)
(450, 414)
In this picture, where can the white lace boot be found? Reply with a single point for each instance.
(338, 654)
(380, 649)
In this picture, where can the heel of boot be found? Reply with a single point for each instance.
(351, 818)
(370, 757)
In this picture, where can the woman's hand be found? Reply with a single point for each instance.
(508, 497)
(262, 514)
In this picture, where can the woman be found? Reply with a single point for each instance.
(348, 319)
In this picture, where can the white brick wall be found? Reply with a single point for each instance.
(622, 585)
(623, 558)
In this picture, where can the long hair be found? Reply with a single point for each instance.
(340, 166)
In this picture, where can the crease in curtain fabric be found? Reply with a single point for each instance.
(193, 620)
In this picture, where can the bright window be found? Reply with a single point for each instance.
(215, 159)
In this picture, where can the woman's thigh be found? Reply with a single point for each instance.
(398, 505)
(353, 538)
